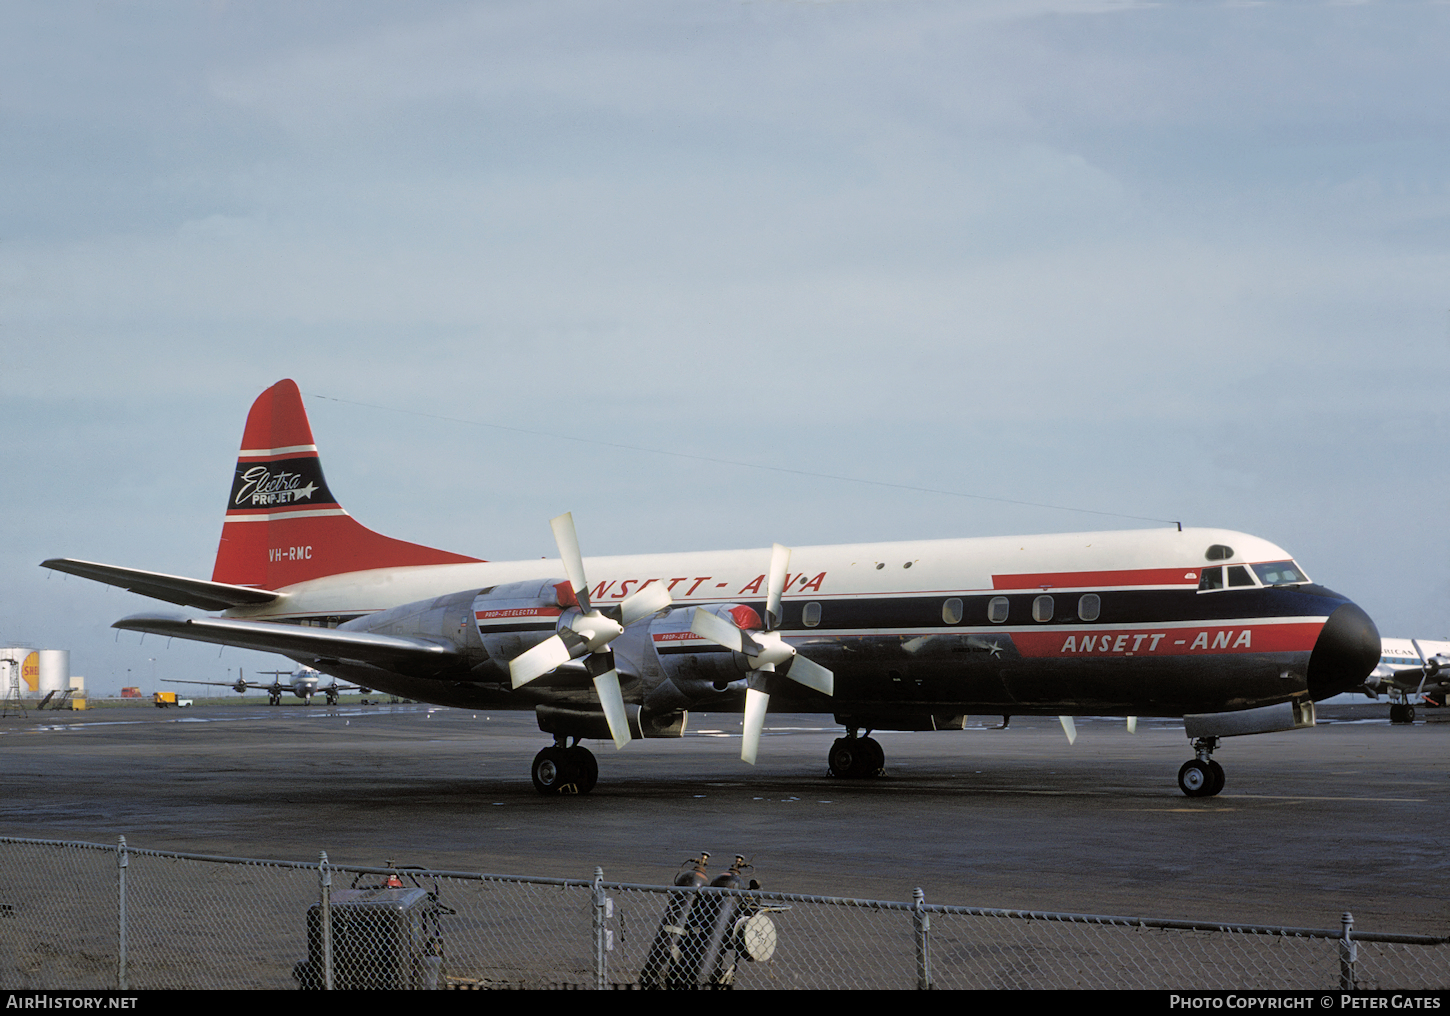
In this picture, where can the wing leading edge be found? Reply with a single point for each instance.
(296, 640)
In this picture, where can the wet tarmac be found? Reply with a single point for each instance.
(1353, 815)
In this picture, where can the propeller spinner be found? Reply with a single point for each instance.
(587, 633)
(765, 651)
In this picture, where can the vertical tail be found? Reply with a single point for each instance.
(282, 524)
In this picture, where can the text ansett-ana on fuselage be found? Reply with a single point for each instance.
(1220, 628)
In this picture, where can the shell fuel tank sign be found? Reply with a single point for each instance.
(30, 671)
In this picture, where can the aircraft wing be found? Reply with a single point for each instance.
(171, 588)
(1417, 679)
(221, 684)
(294, 640)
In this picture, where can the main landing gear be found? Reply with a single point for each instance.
(1202, 776)
(565, 769)
(1402, 712)
(856, 758)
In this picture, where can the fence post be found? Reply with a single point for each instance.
(601, 959)
(123, 861)
(324, 914)
(1348, 952)
(922, 920)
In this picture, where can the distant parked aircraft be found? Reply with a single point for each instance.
(305, 683)
(1409, 669)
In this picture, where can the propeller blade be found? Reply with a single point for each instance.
(642, 604)
(812, 675)
(755, 703)
(1132, 724)
(567, 541)
(1069, 728)
(612, 700)
(775, 585)
(716, 629)
(538, 661)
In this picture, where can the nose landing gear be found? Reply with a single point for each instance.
(1201, 776)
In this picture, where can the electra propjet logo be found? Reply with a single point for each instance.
(279, 484)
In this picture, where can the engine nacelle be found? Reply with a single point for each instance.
(489, 627)
(699, 671)
(443, 619)
(577, 722)
(512, 618)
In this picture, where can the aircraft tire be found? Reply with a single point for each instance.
(584, 766)
(875, 756)
(1218, 778)
(855, 758)
(551, 771)
(1196, 779)
(844, 757)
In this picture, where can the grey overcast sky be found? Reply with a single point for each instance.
(1178, 260)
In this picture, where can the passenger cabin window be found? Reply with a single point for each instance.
(997, 609)
(1089, 606)
(951, 611)
(1042, 608)
(811, 615)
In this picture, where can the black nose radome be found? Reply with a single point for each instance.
(1347, 649)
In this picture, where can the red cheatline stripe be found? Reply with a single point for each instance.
(1075, 580)
(1254, 637)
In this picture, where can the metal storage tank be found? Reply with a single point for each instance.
(54, 670)
(9, 673)
(27, 668)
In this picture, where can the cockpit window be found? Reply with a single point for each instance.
(1278, 573)
(1210, 578)
(1238, 575)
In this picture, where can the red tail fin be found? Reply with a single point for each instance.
(282, 524)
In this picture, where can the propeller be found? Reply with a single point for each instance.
(764, 650)
(1069, 728)
(587, 632)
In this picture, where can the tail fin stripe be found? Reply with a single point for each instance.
(260, 453)
(264, 516)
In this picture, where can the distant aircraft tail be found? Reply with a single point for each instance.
(282, 524)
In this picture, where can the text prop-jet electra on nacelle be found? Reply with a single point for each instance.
(1220, 628)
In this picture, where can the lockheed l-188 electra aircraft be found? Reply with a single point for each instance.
(1220, 628)
(304, 684)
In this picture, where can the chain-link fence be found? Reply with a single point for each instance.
(85, 915)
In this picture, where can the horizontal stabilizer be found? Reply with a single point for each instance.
(171, 588)
(294, 640)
